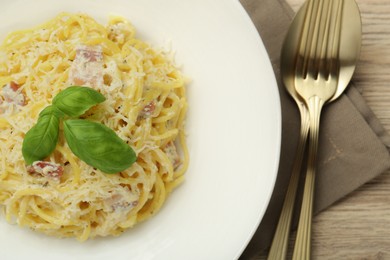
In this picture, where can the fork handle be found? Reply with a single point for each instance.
(303, 240)
(279, 245)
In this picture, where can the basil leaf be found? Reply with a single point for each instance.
(41, 140)
(98, 145)
(75, 100)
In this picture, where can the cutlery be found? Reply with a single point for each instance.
(349, 49)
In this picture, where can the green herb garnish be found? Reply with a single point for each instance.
(98, 145)
(41, 140)
(92, 142)
(75, 101)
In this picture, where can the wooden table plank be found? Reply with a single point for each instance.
(358, 226)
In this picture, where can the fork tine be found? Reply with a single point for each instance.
(308, 27)
(323, 65)
(317, 39)
(309, 37)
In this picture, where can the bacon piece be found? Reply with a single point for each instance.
(12, 94)
(148, 110)
(87, 67)
(173, 155)
(14, 86)
(118, 202)
(43, 168)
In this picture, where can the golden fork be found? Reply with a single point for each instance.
(316, 78)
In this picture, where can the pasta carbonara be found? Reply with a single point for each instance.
(145, 105)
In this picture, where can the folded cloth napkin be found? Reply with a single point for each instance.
(353, 146)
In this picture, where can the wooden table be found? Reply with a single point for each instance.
(358, 226)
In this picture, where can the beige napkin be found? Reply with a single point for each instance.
(353, 146)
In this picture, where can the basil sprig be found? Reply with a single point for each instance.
(92, 142)
(98, 145)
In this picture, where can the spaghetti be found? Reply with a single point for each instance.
(145, 105)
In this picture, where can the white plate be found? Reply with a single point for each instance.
(234, 132)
